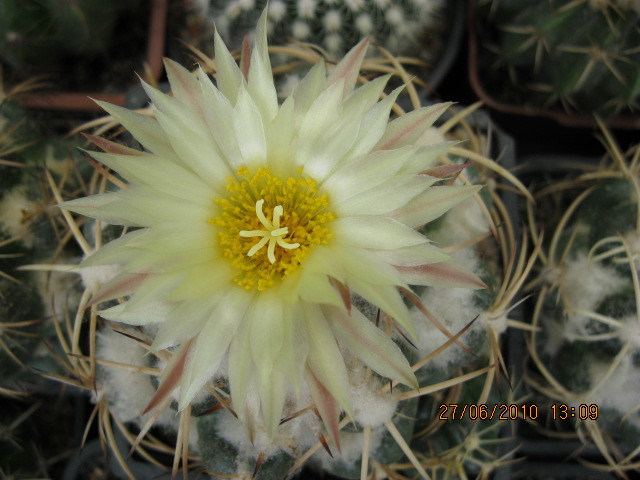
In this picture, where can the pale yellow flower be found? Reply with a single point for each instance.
(259, 220)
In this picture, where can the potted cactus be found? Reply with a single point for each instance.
(365, 363)
(584, 348)
(67, 43)
(560, 59)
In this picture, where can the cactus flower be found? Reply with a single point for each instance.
(258, 220)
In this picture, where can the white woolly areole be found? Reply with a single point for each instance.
(247, 5)
(128, 392)
(583, 284)
(369, 407)
(364, 24)
(354, 5)
(93, 277)
(306, 8)
(233, 10)
(624, 381)
(496, 320)
(300, 30)
(277, 10)
(394, 16)
(630, 331)
(332, 20)
(455, 308)
(16, 212)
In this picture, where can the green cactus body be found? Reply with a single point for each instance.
(590, 335)
(44, 32)
(336, 26)
(558, 52)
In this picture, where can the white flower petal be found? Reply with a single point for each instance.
(405, 130)
(228, 76)
(218, 110)
(249, 129)
(309, 88)
(144, 129)
(395, 193)
(432, 203)
(370, 344)
(150, 313)
(212, 343)
(325, 359)
(184, 86)
(374, 232)
(348, 69)
(190, 138)
(161, 173)
(260, 80)
(366, 172)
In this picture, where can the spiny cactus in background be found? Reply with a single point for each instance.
(583, 56)
(43, 32)
(29, 234)
(587, 349)
(414, 27)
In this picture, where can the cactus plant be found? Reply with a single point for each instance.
(133, 373)
(586, 348)
(400, 26)
(44, 32)
(581, 56)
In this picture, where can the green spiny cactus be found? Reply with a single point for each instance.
(42, 32)
(588, 345)
(336, 26)
(580, 55)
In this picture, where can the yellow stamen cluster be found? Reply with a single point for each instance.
(298, 212)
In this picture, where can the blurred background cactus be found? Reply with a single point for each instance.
(586, 346)
(418, 28)
(578, 55)
(46, 32)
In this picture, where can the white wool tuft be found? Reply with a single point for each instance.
(455, 308)
(247, 5)
(370, 408)
(277, 10)
(306, 8)
(583, 285)
(17, 213)
(496, 320)
(624, 381)
(93, 277)
(364, 24)
(332, 20)
(287, 437)
(128, 392)
(630, 331)
(354, 5)
(394, 16)
(301, 30)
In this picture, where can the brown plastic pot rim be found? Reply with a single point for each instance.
(630, 122)
(82, 101)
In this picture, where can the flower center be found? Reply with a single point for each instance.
(298, 214)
